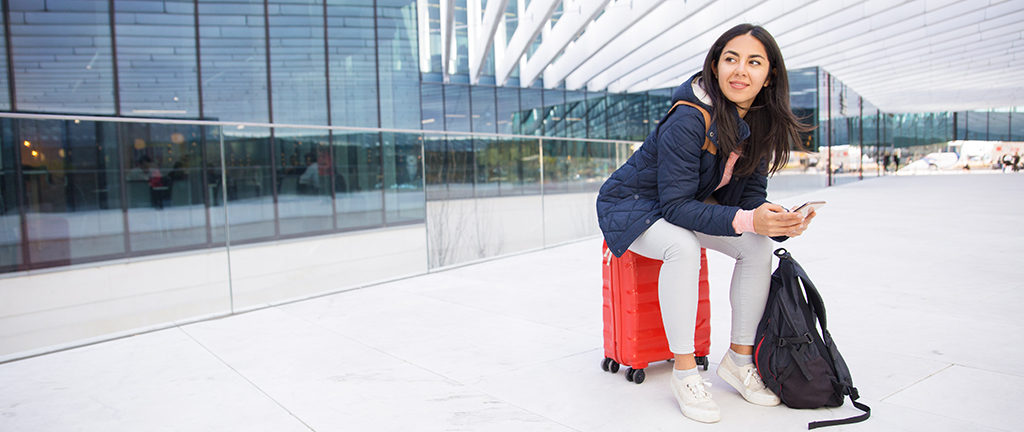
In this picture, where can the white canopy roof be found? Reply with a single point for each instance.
(902, 56)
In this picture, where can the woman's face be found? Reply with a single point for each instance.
(742, 71)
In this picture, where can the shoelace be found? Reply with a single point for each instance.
(700, 392)
(752, 375)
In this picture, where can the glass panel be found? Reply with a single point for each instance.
(72, 190)
(554, 113)
(232, 43)
(156, 57)
(532, 110)
(576, 114)
(5, 96)
(450, 166)
(573, 166)
(1016, 125)
(62, 56)
(402, 161)
(597, 115)
(10, 219)
(616, 110)
(163, 186)
(433, 106)
(357, 185)
(525, 160)
(461, 53)
(977, 125)
(588, 162)
(249, 186)
(456, 108)
(353, 63)
(658, 104)
(483, 109)
(961, 125)
(999, 126)
(303, 175)
(297, 70)
(489, 169)
(432, 71)
(509, 113)
(213, 148)
(399, 75)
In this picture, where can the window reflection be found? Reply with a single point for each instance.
(402, 162)
(357, 183)
(5, 96)
(232, 40)
(71, 189)
(10, 220)
(156, 55)
(249, 184)
(304, 185)
(297, 70)
(62, 57)
(353, 65)
(163, 186)
(398, 52)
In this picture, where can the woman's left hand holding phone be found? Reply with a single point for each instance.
(774, 220)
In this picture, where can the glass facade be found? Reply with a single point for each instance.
(238, 121)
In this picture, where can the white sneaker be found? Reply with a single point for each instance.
(747, 381)
(694, 399)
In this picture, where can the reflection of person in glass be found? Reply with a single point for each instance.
(686, 188)
(157, 183)
(309, 181)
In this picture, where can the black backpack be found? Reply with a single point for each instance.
(801, 366)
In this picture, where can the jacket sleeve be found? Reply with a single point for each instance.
(679, 154)
(755, 191)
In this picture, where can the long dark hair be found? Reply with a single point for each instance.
(773, 126)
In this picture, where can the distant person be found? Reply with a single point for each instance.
(309, 181)
(157, 183)
(1016, 162)
(896, 159)
(671, 198)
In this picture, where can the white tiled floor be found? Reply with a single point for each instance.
(921, 275)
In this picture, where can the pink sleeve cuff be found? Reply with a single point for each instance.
(743, 221)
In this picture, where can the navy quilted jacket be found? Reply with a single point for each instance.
(670, 176)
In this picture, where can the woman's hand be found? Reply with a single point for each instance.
(803, 226)
(774, 220)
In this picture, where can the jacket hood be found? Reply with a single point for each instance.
(692, 90)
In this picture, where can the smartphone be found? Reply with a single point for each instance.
(806, 207)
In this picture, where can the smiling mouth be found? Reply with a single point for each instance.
(738, 85)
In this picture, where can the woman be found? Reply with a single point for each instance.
(675, 195)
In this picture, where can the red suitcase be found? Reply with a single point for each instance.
(634, 335)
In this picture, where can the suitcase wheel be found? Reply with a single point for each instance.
(702, 361)
(609, 365)
(635, 375)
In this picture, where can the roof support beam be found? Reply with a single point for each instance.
(576, 14)
(618, 17)
(447, 36)
(423, 16)
(481, 33)
(648, 22)
(530, 24)
(688, 57)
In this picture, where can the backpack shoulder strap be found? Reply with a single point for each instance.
(708, 145)
(854, 419)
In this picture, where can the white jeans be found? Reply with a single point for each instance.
(679, 248)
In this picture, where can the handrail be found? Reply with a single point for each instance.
(29, 116)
